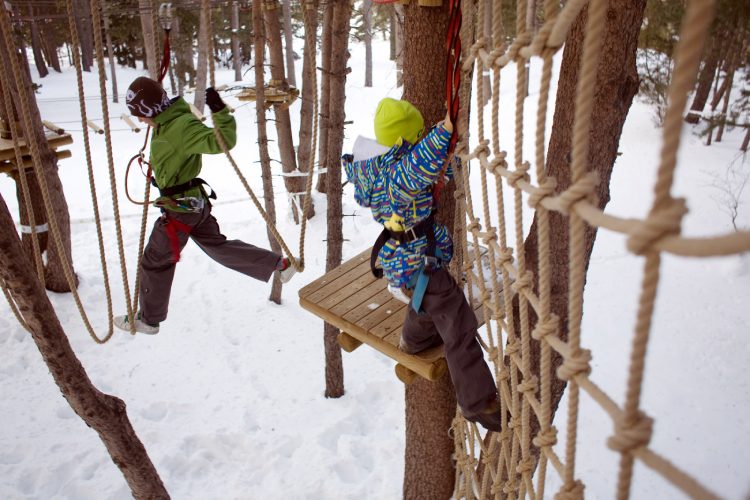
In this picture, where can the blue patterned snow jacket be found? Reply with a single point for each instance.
(400, 181)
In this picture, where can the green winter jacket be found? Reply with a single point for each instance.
(180, 139)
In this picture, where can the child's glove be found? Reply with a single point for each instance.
(213, 100)
(395, 223)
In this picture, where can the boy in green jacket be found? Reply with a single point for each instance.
(179, 139)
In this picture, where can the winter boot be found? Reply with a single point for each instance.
(489, 418)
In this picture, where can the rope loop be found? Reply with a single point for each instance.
(519, 43)
(505, 256)
(529, 385)
(510, 487)
(513, 347)
(489, 235)
(574, 365)
(581, 190)
(544, 190)
(474, 225)
(498, 164)
(660, 223)
(570, 492)
(494, 354)
(539, 43)
(482, 148)
(525, 466)
(631, 436)
(519, 174)
(545, 438)
(504, 374)
(543, 328)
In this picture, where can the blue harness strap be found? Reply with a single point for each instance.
(423, 278)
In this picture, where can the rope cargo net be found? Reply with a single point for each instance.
(513, 463)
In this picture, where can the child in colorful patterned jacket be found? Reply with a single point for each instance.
(396, 184)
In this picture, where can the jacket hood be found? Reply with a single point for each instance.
(363, 173)
(177, 108)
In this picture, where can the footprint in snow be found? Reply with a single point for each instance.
(155, 412)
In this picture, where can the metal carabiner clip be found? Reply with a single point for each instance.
(165, 16)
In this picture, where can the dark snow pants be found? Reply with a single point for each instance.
(447, 315)
(158, 266)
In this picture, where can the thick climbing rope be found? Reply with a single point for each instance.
(508, 455)
(297, 263)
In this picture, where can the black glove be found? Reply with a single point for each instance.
(213, 100)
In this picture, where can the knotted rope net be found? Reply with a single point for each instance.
(520, 323)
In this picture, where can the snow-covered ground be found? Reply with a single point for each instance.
(228, 397)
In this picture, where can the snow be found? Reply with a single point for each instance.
(228, 397)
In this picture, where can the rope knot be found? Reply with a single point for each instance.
(504, 374)
(510, 487)
(523, 282)
(579, 190)
(482, 148)
(519, 43)
(497, 164)
(575, 364)
(529, 385)
(474, 225)
(660, 223)
(570, 492)
(628, 437)
(505, 257)
(539, 43)
(513, 347)
(524, 466)
(545, 438)
(544, 190)
(494, 354)
(519, 174)
(496, 53)
(545, 327)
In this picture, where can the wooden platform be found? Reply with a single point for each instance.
(8, 154)
(352, 299)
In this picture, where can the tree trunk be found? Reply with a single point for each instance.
(291, 76)
(616, 84)
(111, 54)
(54, 275)
(36, 45)
(149, 37)
(392, 34)
(399, 10)
(236, 59)
(265, 158)
(283, 121)
(367, 19)
(325, 92)
(104, 413)
(339, 56)
(50, 48)
(430, 406)
(725, 107)
(304, 149)
(83, 23)
(705, 81)
(201, 71)
(746, 140)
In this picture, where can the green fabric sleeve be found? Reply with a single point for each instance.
(199, 139)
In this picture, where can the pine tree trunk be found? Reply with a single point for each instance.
(201, 71)
(49, 47)
(83, 22)
(236, 59)
(265, 158)
(617, 84)
(339, 56)
(746, 140)
(54, 275)
(283, 120)
(725, 107)
(705, 81)
(149, 35)
(111, 54)
(430, 406)
(104, 413)
(291, 76)
(304, 149)
(400, 21)
(392, 34)
(367, 19)
(36, 45)
(325, 91)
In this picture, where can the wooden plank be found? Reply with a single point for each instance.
(392, 307)
(335, 273)
(365, 308)
(334, 286)
(55, 141)
(349, 291)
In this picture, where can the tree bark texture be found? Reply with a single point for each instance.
(265, 158)
(49, 47)
(617, 83)
(325, 92)
(236, 59)
(367, 19)
(283, 120)
(304, 148)
(399, 10)
(291, 75)
(111, 55)
(36, 45)
(705, 80)
(430, 406)
(83, 23)
(201, 71)
(54, 274)
(342, 10)
(104, 413)
(149, 35)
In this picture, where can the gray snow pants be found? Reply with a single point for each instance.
(158, 266)
(447, 315)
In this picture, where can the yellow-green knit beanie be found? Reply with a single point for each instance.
(395, 119)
